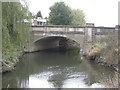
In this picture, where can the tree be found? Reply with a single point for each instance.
(14, 30)
(78, 17)
(39, 14)
(60, 14)
(46, 18)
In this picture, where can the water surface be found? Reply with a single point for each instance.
(55, 70)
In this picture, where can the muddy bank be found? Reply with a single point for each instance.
(98, 56)
(9, 65)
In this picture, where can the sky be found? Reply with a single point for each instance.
(99, 12)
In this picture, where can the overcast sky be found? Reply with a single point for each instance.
(100, 12)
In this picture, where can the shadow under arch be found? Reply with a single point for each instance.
(56, 43)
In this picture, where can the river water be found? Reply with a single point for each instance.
(56, 70)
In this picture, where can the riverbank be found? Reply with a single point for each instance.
(105, 55)
(101, 55)
(9, 64)
(14, 33)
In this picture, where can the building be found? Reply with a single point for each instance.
(90, 24)
(39, 21)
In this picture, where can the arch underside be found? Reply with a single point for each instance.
(53, 43)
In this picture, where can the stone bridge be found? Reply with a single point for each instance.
(59, 36)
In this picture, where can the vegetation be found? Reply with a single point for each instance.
(38, 14)
(61, 14)
(78, 17)
(110, 49)
(14, 30)
(105, 51)
(111, 81)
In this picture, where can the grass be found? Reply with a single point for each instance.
(111, 81)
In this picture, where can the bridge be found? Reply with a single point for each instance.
(61, 37)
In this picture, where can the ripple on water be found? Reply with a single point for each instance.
(40, 80)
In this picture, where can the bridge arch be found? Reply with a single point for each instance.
(54, 43)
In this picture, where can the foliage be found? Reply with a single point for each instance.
(60, 14)
(111, 81)
(98, 45)
(78, 17)
(111, 50)
(14, 30)
(39, 14)
(46, 18)
(109, 43)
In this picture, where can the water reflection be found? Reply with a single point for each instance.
(55, 69)
(40, 80)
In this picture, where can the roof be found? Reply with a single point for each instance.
(39, 19)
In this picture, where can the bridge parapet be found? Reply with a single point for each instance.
(64, 29)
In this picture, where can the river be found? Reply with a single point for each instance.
(56, 70)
